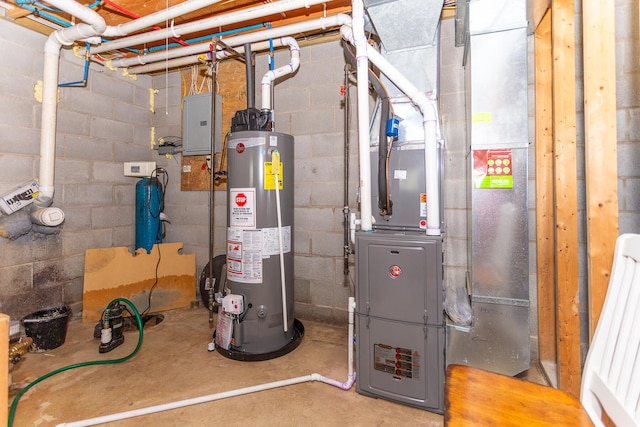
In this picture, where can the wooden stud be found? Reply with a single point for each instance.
(545, 233)
(566, 251)
(598, 23)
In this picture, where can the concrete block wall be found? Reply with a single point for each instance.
(98, 128)
(628, 114)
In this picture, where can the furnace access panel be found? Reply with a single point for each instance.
(400, 329)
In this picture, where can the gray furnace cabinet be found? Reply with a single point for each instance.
(400, 337)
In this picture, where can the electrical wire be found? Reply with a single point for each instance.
(14, 404)
(155, 283)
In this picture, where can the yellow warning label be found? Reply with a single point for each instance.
(269, 177)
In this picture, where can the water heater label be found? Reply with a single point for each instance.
(244, 255)
(396, 361)
(271, 241)
(242, 209)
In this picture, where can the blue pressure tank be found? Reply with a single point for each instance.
(149, 196)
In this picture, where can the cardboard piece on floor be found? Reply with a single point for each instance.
(111, 273)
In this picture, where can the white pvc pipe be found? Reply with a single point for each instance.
(66, 36)
(271, 75)
(234, 41)
(275, 168)
(238, 392)
(207, 23)
(160, 16)
(429, 112)
(362, 76)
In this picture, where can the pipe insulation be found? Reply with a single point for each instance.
(234, 41)
(346, 385)
(207, 23)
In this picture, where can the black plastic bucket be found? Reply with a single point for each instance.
(47, 328)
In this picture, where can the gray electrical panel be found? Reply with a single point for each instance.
(196, 124)
(400, 322)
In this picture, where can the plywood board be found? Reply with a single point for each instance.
(231, 86)
(111, 273)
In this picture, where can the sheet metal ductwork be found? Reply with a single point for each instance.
(496, 74)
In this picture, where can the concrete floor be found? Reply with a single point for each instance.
(174, 364)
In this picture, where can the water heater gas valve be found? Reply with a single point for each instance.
(233, 304)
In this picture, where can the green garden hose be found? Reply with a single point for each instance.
(14, 404)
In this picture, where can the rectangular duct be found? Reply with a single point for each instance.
(404, 24)
(496, 79)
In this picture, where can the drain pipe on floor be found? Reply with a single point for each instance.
(232, 393)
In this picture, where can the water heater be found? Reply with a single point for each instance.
(260, 247)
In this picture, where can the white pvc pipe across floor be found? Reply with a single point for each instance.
(233, 393)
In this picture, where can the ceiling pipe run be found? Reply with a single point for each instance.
(208, 23)
(178, 57)
(154, 18)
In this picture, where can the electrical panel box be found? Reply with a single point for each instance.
(196, 124)
(400, 320)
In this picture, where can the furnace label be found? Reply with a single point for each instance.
(396, 361)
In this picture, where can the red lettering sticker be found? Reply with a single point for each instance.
(240, 148)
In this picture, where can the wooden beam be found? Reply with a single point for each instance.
(545, 234)
(601, 153)
(4, 372)
(566, 214)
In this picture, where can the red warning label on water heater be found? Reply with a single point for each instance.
(242, 212)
